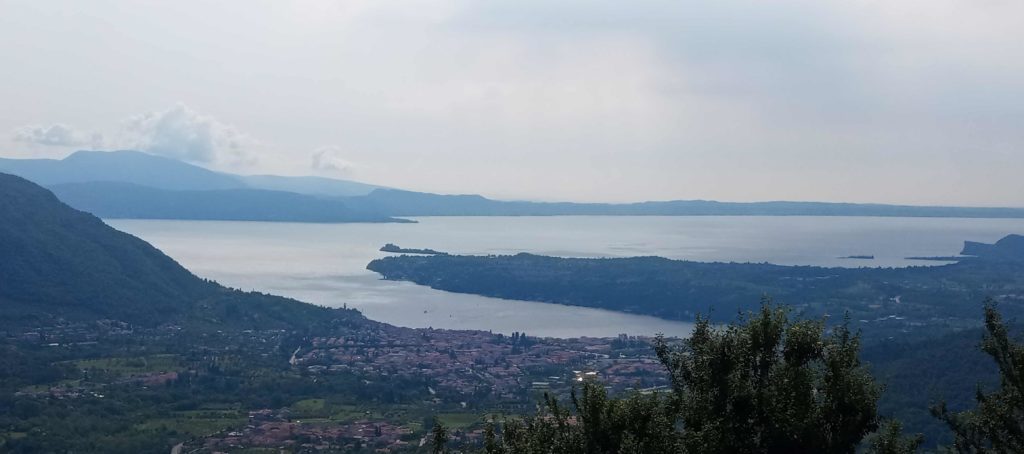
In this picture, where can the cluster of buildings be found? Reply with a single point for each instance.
(459, 371)
(483, 365)
(483, 369)
(269, 429)
(70, 333)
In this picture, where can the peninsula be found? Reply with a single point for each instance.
(886, 301)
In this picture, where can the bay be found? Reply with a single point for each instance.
(325, 263)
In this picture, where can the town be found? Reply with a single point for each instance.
(367, 385)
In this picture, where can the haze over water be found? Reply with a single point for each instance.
(325, 263)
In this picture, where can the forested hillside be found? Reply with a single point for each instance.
(59, 263)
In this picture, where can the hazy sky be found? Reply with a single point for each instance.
(873, 101)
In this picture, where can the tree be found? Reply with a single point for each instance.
(890, 440)
(762, 384)
(768, 384)
(596, 424)
(438, 438)
(996, 425)
(491, 444)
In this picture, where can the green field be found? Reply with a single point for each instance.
(459, 420)
(198, 423)
(132, 365)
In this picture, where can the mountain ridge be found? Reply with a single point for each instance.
(133, 167)
(398, 202)
(122, 165)
(117, 200)
(130, 166)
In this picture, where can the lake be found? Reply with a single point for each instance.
(325, 263)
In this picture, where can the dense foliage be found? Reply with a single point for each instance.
(594, 424)
(763, 384)
(769, 384)
(997, 423)
(890, 440)
(919, 373)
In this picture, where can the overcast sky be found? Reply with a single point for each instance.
(869, 101)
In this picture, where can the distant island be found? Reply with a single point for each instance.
(394, 248)
(859, 257)
(940, 258)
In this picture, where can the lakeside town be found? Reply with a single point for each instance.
(465, 376)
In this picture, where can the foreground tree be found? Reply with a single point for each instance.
(890, 440)
(596, 424)
(763, 384)
(996, 425)
(438, 438)
(769, 384)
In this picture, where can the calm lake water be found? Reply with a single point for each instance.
(325, 263)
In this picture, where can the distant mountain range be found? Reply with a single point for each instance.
(59, 263)
(117, 200)
(120, 166)
(406, 203)
(144, 169)
(132, 184)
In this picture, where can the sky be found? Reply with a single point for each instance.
(912, 101)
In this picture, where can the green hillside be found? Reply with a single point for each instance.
(58, 263)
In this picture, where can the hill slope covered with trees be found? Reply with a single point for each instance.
(59, 263)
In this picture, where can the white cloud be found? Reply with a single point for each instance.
(57, 135)
(182, 133)
(330, 160)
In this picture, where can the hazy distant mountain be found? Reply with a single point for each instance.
(126, 200)
(60, 263)
(259, 197)
(406, 203)
(121, 166)
(309, 185)
(164, 173)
